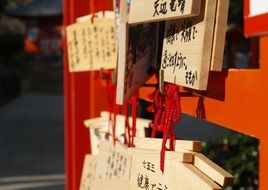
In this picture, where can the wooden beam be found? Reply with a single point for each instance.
(212, 170)
(219, 35)
(188, 177)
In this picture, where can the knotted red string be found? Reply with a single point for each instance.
(167, 110)
(157, 107)
(103, 7)
(116, 111)
(110, 96)
(130, 131)
(134, 103)
(95, 8)
(112, 107)
(98, 5)
(127, 126)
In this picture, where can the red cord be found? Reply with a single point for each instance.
(95, 8)
(167, 110)
(110, 96)
(130, 132)
(157, 108)
(127, 126)
(112, 107)
(103, 7)
(116, 111)
(134, 103)
(171, 114)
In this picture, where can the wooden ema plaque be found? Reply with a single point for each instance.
(88, 173)
(92, 46)
(185, 168)
(98, 128)
(113, 167)
(156, 10)
(137, 58)
(193, 46)
(138, 51)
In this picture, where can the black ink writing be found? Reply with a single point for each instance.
(174, 6)
(116, 164)
(143, 182)
(90, 50)
(188, 31)
(156, 5)
(148, 166)
(190, 77)
(172, 33)
(163, 8)
(180, 4)
(175, 60)
(185, 32)
(76, 47)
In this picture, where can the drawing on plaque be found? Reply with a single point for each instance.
(141, 56)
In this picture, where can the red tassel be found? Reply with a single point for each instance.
(167, 110)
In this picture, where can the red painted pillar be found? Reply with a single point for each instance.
(81, 91)
(262, 119)
(76, 101)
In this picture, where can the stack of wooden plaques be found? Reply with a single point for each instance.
(185, 168)
(100, 126)
(108, 170)
(117, 167)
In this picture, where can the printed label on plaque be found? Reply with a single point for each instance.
(187, 48)
(92, 46)
(113, 162)
(88, 174)
(157, 10)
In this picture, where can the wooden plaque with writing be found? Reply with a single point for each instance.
(92, 46)
(142, 11)
(219, 35)
(113, 162)
(187, 48)
(137, 58)
(88, 173)
(185, 169)
(138, 52)
(98, 128)
(113, 167)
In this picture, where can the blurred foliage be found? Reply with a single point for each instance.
(238, 154)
